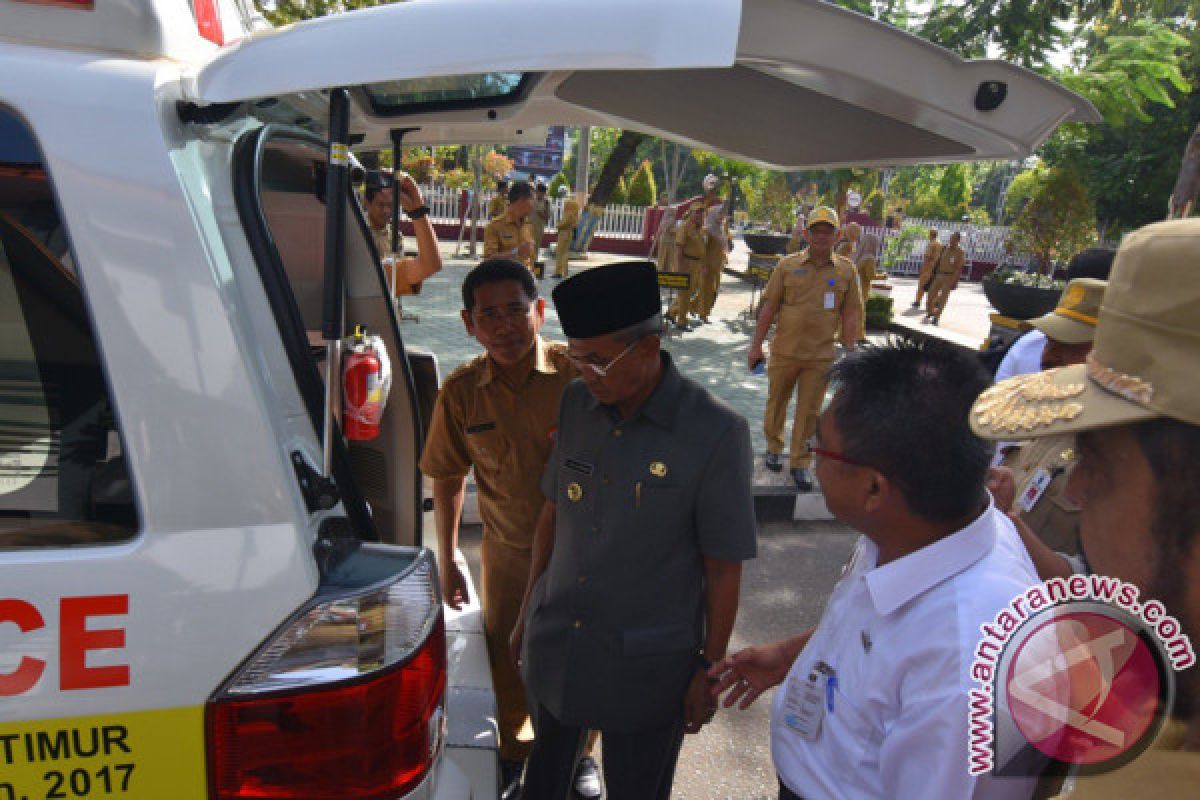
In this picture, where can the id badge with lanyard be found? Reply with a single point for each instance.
(809, 699)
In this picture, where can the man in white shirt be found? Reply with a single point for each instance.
(874, 700)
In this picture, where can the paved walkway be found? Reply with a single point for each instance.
(713, 355)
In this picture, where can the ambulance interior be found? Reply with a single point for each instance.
(284, 215)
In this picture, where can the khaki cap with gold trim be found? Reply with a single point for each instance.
(1146, 353)
(823, 214)
(1074, 320)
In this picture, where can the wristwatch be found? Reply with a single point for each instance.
(418, 212)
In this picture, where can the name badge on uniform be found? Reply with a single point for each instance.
(1035, 489)
(806, 701)
(830, 297)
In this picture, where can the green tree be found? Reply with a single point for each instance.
(557, 182)
(285, 12)
(1023, 187)
(643, 191)
(875, 204)
(1057, 222)
(620, 194)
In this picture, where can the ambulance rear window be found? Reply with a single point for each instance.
(447, 93)
(63, 475)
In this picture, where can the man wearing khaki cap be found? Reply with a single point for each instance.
(816, 297)
(1031, 481)
(1135, 411)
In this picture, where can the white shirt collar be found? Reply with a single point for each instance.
(899, 581)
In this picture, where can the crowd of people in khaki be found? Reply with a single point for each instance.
(617, 510)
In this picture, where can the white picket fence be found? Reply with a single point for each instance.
(981, 242)
(618, 222)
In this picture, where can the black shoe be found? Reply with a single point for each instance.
(933, 320)
(510, 780)
(587, 779)
(774, 462)
(916, 304)
(803, 477)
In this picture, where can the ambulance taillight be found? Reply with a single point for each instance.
(345, 702)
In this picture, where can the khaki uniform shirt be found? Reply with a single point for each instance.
(383, 244)
(1040, 470)
(497, 206)
(570, 216)
(503, 236)
(616, 621)
(932, 253)
(694, 242)
(505, 433)
(951, 263)
(1164, 770)
(811, 299)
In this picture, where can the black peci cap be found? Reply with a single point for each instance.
(607, 299)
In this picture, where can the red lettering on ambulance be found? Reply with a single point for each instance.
(75, 641)
(29, 670)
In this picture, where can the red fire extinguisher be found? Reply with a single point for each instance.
(366, 380)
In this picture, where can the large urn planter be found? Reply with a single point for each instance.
(1020, 302)
(767, 244)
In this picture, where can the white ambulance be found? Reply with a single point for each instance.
(206, 590)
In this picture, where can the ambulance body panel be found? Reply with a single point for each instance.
(178, 607)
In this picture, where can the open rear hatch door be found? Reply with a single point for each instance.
(791, 84)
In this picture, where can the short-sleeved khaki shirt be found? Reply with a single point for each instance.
(933, 251)
(383, 244)
(1041, 468)
(951, 261)
(694, 242)
(811, 300)
(505, 433)
(497, 206)
(503, 236)
(570, 215)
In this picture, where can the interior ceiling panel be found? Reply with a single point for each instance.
(826, 130)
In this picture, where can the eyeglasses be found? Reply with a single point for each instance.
(833, 455)
(600, 371)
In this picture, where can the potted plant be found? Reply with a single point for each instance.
(879, 312)
(1021, 294)
(765, 243)
(771, 201)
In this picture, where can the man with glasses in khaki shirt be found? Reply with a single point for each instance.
(497, 415)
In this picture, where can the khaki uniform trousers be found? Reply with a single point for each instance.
(562, 250)
(710, 278)
(939, 293)
(687, 299)
(505, 572)
(808, 378)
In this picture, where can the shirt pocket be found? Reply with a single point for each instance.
(795, 288)
(854, 740)
(488, 447)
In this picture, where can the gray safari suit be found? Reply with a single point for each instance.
(616, 621)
